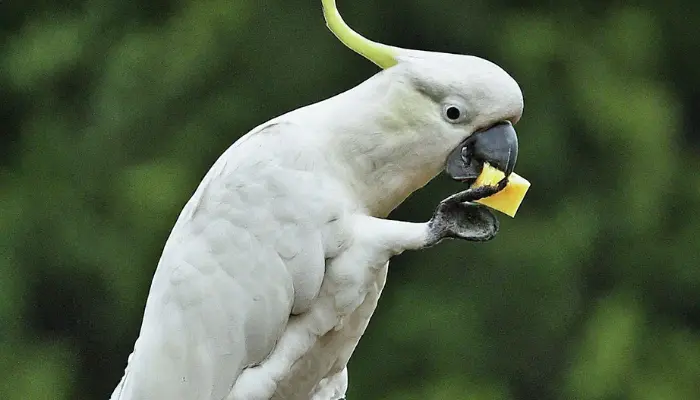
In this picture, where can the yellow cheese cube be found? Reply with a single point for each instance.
(507, 200)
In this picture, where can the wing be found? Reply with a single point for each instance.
(245, 252)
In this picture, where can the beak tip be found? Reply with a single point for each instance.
(499, 147)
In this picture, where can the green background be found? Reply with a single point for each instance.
(111, 112)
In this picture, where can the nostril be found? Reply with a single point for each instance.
(467, 153)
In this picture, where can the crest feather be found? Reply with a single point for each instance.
(382, 55)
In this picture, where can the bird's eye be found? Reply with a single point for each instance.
(453, 113)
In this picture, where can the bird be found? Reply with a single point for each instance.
(275, 265)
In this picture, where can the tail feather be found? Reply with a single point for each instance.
(333, 387)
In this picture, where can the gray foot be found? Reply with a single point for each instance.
(457, 217)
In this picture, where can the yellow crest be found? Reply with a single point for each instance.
(382, 55)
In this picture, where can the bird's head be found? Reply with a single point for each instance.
(435, 111)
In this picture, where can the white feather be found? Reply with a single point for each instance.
(275, 265)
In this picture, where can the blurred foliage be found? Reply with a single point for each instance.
(112, 111)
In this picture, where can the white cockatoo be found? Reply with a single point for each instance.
(275, 265)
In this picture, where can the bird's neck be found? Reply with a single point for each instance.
(378, 149)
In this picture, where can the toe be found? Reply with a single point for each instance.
(473, 222)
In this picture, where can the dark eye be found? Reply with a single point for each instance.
(453, 113)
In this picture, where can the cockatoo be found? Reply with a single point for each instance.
(276, 263)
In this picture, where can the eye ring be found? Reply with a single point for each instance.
(453, 113)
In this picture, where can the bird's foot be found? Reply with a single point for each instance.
(457, 217)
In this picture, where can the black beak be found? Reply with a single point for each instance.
(497, 145)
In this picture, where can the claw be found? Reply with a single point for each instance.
(478, 193)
